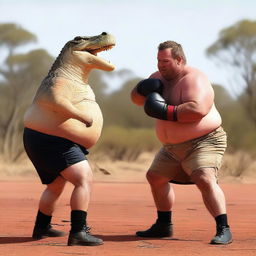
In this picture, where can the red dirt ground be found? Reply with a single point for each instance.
(117, 211)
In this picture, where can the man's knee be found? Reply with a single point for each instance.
(156, 179)
(79, 174)
(57, 186)
(205, 179)
(81, 180)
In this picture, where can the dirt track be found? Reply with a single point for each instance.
(117, 211)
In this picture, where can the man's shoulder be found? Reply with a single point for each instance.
(156, 75)
(194, 74)
(192, 71)
(194, 78)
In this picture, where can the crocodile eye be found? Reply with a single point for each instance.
(78, 38)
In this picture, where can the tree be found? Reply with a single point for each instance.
(236, 48)
(21, 75)
(235, 121)
(12, 36)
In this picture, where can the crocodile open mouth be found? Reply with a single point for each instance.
(104, 48)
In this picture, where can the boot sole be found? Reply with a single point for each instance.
(38, 237)
(152, 236)
(220, 243)
(77, 242)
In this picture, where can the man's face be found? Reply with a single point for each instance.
(167, 65)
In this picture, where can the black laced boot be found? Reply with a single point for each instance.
(43, 228)
(223, 235)
(159, 229)
(162, 227)
(83, 237)
(80, 233)
(39, 233)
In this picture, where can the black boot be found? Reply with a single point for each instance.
(159, 229)
(223, 235)
(80, 233)
(39, 232)
(83, 237)
(43, 227)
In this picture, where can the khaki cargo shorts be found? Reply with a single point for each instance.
(178, 161)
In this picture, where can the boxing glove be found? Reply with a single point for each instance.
(147, 86)
(155, 106)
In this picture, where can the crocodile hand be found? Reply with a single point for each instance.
(88, 122)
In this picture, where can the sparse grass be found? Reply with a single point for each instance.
(237, 164)
(126, 144)
(22, 169)
(125, 147)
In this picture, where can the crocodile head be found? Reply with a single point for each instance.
(79, 56)
(87, 48)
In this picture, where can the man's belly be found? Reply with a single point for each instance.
(52, 123)
(175, 132)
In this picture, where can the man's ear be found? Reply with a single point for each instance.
(179, 60)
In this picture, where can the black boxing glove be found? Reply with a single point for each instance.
(155, 106)
(147, 86)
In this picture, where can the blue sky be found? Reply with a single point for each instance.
(139, 26)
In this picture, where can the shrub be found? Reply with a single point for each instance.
(236, 164)
(119, 143)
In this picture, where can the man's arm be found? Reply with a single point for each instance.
(155, 106)
(197, 100)
(137, 98)
(197, 97)
(144, 88)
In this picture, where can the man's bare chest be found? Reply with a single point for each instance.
(173, 94)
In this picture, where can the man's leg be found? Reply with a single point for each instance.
(46, 207)
(80, 175)
(215, 202)
(164, 197)
(50, 195)
(162, 191)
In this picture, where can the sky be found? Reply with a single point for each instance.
(138, 26)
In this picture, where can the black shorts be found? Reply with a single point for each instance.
(51, 154)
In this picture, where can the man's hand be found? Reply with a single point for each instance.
(155, 106)
(147, 86)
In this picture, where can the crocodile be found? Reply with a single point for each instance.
(64, 104)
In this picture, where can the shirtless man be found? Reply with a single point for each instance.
(64, 121)
(188, 125)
